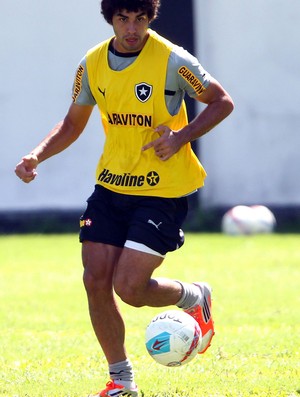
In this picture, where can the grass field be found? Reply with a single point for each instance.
(47, 347)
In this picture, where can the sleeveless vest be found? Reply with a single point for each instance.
(132, 104)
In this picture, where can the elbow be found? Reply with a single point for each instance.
(229, 104)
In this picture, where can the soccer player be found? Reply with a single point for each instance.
(134, 216)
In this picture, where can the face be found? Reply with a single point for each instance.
(131, 30)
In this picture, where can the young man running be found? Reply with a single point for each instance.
(134, 216)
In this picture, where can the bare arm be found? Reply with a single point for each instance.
(59, 138)
(219, 106)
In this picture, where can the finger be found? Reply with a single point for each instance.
(161, 129)
(148, 146)
(30, 162)
(29, 178)
(164, 157)
(23, 174)
(20, 170)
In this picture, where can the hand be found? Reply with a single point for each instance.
(166, 145)
(26, 169)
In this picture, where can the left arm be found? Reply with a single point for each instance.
(219, 106)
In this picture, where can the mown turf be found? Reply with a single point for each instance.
(47, 347)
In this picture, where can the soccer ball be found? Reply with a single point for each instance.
(172, 338)
(265, 221)
(241, 220)
(238, 220)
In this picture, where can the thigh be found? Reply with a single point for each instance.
(100, 260)
(135, 268)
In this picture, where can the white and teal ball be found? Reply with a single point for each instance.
(172, 338)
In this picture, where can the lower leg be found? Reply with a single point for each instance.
(99, 263)
(108, 326)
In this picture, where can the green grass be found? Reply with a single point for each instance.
(47, 347)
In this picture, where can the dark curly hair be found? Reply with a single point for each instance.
(110, 7)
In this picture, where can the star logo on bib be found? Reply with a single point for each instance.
(143, 91)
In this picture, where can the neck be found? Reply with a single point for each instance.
(114, 51)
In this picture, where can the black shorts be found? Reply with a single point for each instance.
(116, 219)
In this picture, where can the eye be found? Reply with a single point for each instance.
(122, 19)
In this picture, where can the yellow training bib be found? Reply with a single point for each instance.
(132, 104)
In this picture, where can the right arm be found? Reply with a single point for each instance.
(59, 138)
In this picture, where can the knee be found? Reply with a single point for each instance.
(94, 283)
(98, 262)
(89, 280)
(130, 293)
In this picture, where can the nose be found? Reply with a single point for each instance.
(131, 28)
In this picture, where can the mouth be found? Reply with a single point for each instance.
(131, 40)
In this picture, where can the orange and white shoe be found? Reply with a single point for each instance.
(201, 312)
(117, 390)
